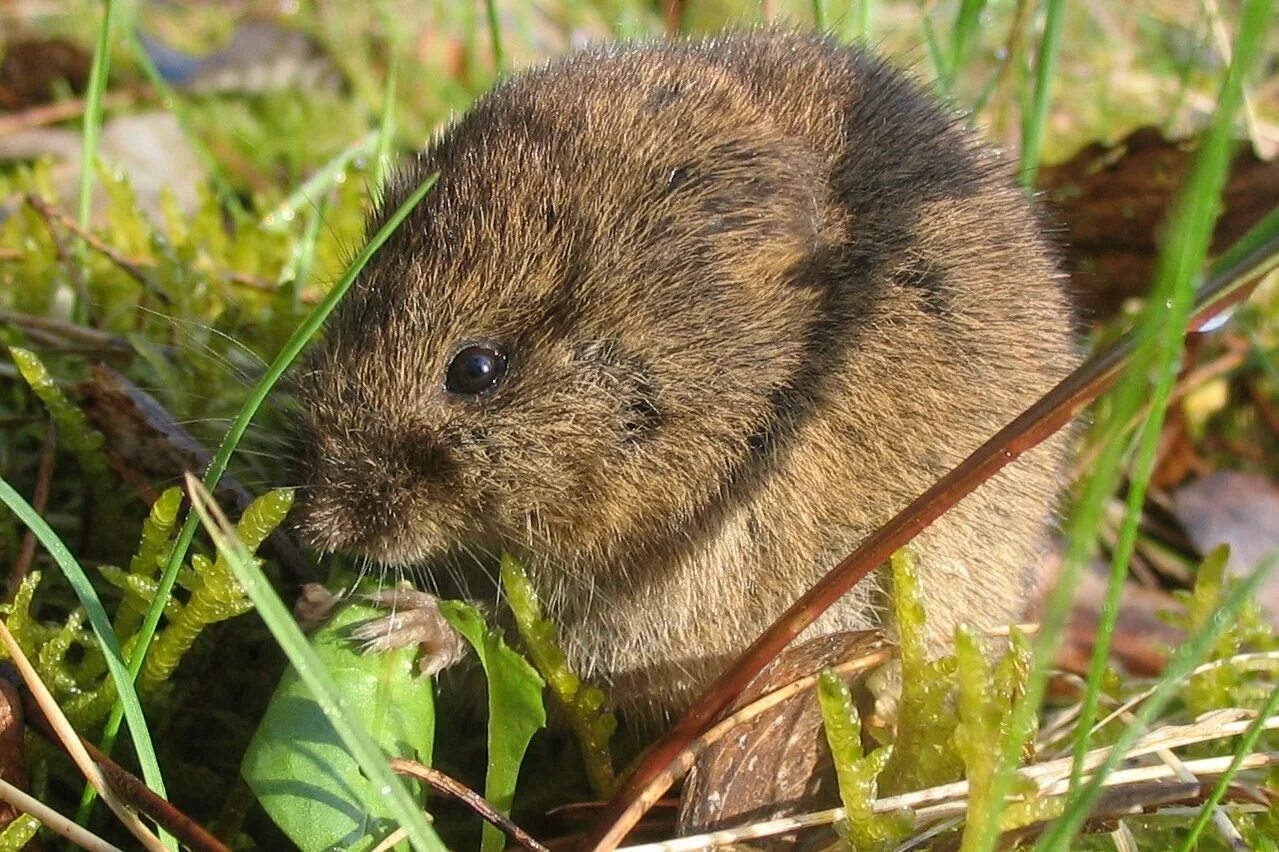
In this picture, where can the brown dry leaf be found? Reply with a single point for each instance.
(146, 443)
(33, 69)
(1113, 201)
(1139, 645)
(778, 762)
(1241, 510)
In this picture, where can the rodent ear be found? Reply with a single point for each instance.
(761, 200)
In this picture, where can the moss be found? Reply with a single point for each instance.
(924, 752)
(858, 773)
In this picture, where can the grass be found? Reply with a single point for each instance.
(1158, 351)
(91, 128)
(131, 707)
(1035, 119)
(1246, 745)
(1160, 348)
(965, 59)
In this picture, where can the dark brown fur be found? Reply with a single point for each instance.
(759, 291)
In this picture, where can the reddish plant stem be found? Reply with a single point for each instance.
(39, 502)
(455, 789)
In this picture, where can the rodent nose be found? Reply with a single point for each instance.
(364, 492)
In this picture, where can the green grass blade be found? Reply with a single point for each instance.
(279, 620)
(1244, 748)
(319, 183)
(1188, 239)
(1147, 447)
(819, 15)
(1255, 253)
(1034, 120)
(853, 26)
(862, 16)
(935, 57)
(1187, 657)
(386, 126)
(495, 35)
(218, 465)
(91, 129)
(101, 624)
(297, 271)
(966, 22)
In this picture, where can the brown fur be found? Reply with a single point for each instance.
(759, 291)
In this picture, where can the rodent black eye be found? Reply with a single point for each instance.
(475, 369)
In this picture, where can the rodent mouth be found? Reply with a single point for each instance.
(388, 535)
(332, 529)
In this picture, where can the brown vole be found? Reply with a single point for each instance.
(680, 324)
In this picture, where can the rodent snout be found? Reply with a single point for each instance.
(377, 495)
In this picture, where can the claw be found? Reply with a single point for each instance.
(415, 619)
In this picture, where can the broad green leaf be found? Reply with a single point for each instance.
(296, 764)
(516, 711)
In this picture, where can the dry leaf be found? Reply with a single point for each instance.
(1113, 200)
(778, 762)
(1241, 510)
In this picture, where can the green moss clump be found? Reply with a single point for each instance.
(19, 833)
(986, 699)
(74, 430)
(1225, 685)
(858, 773)
(76, 685)
(81, 685)
(215, 593)
(138, 584)
(924, 753)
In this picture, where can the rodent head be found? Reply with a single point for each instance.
(578, 337)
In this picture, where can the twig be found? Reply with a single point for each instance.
(947, 801)
(135, 267)
(70, 741)
(53, 820)
(75, 272)
(1265, 408)
(39, 502)
(442, 783)
(39, 116)
(43, 211)
(130, 788)
(130, 267)
(1220, 819)
(7, 253)
(1229, 283)
(69, 330)
(1270, 657)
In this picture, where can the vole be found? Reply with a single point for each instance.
(680, 324)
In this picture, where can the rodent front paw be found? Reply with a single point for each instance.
(415, 619)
